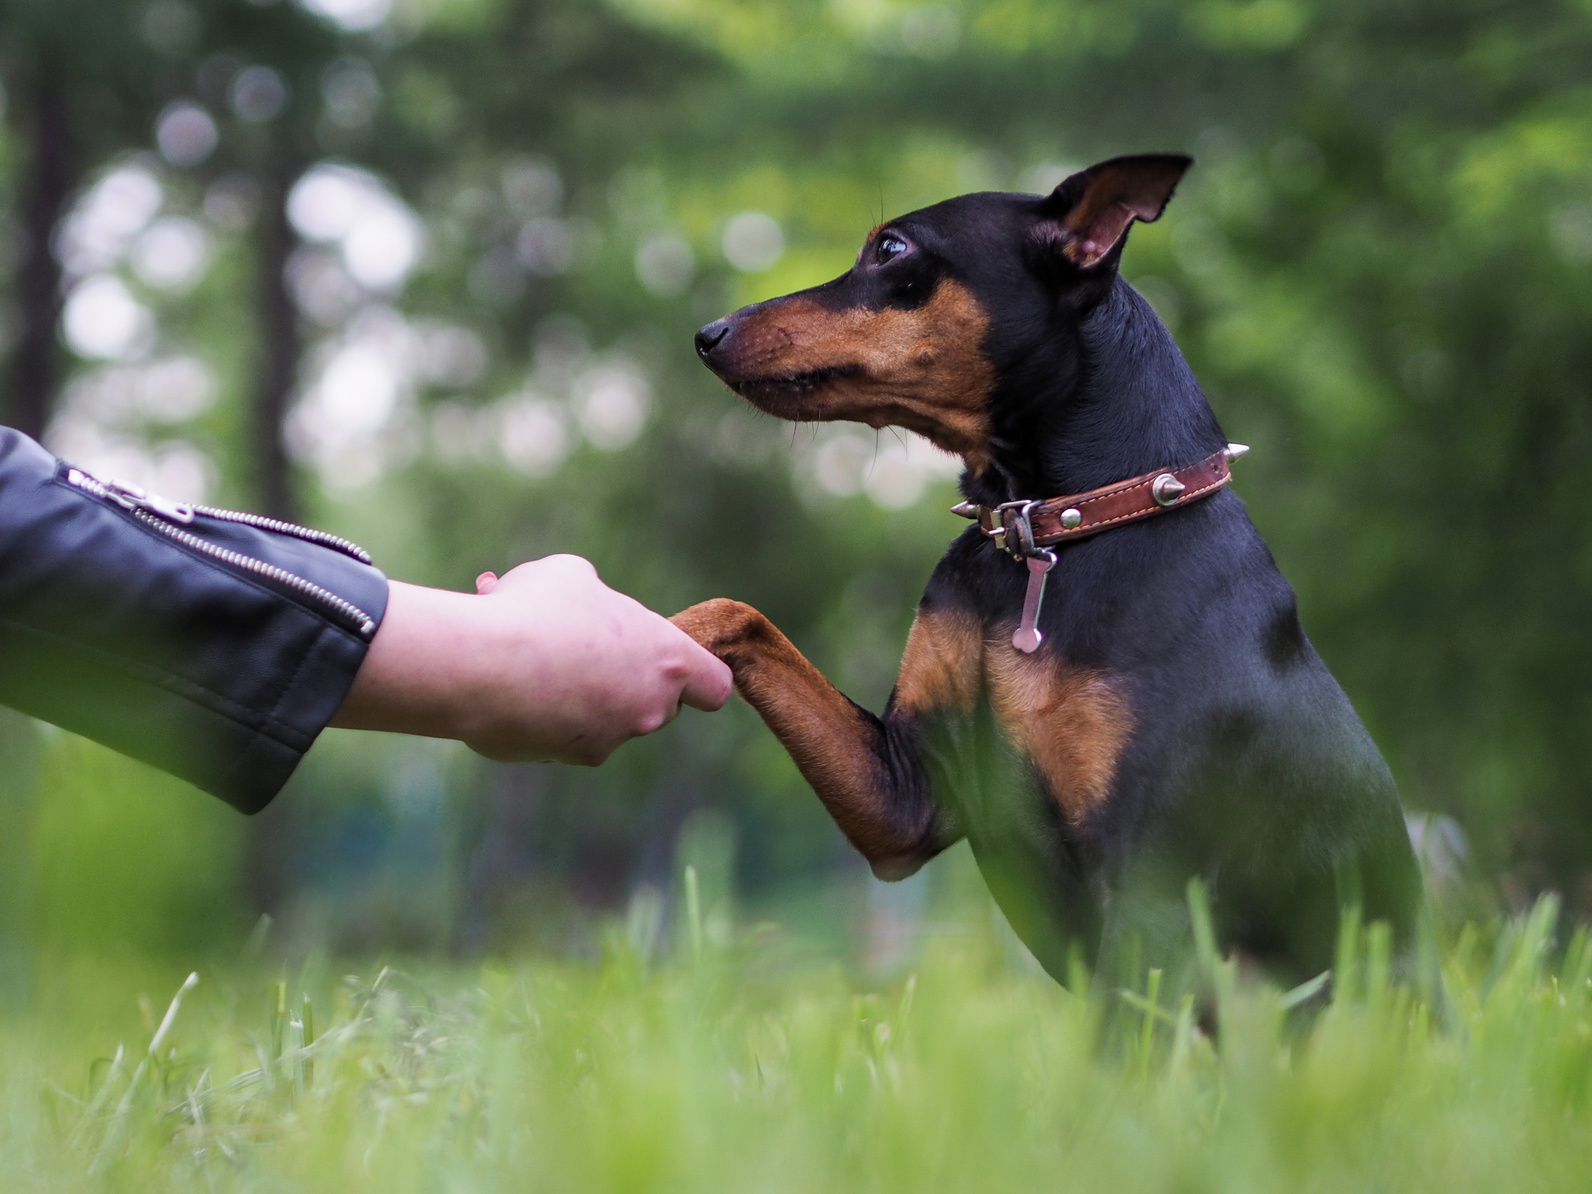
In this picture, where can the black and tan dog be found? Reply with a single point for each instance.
(1169, 719)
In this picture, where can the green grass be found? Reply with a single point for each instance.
(739, 1070)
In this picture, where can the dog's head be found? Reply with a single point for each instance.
(941, 305)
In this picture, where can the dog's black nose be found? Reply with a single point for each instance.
(708, 338)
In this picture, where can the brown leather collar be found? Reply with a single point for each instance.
(1026, 528)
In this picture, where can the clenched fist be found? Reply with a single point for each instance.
(546, 662)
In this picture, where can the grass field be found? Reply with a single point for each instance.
(740, 1070)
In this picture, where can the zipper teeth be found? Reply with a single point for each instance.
(258, 521)
(362, 621)
(83, 481)
(261, 522)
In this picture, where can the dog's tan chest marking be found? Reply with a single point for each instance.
(942, 666)
(1072, 723)
(923, 369)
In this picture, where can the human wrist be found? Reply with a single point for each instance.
(418, 674)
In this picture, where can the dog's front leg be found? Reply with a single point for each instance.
(867, 771)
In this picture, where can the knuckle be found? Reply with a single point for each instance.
(651, 718)
(567, 562)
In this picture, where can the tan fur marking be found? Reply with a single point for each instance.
(1072, 723)
(922, 369)
(942, 667)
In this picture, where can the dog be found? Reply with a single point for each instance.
(1107, 689)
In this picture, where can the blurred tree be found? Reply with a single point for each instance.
(74, 81)
(93, 82)
(265, 63)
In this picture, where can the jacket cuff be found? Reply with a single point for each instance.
(214, 646)
(230, 749)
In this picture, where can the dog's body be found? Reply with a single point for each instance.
(1175, 722)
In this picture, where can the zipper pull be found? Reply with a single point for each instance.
(1027, 636)
(135, 497)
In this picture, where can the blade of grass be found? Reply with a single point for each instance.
(113, 1135)
(693, 912)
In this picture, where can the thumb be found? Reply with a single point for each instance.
(708, 680)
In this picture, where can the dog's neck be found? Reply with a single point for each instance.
(1116, 402)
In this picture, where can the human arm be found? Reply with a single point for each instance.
(217, 650)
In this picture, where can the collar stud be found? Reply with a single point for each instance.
(1166, 489)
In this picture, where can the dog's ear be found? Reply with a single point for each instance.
(1086, 218)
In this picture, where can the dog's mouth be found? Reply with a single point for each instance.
(777, 393)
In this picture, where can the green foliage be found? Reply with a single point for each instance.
(734, 1071)
(128, 861)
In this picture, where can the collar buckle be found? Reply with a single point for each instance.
(1013, 529)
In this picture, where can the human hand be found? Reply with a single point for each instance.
(545, 663)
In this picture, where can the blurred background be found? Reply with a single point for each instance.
(425, 273)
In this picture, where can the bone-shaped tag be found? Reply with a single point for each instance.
(1027, 637)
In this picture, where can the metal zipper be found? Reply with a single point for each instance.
(159, 514)
(309, 535)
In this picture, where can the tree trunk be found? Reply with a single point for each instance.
(36, 359)
(268, 838)
(279, 348)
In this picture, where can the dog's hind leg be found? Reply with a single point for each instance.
(868, 771)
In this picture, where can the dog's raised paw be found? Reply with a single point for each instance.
(718, 625)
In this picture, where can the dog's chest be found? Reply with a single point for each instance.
(980, 700)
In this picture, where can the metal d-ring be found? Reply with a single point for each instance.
(1017, 529)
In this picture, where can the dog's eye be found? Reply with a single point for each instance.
(890, 246)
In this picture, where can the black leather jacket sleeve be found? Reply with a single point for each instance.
(211, 648)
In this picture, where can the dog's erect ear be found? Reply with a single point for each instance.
(1088, 215)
